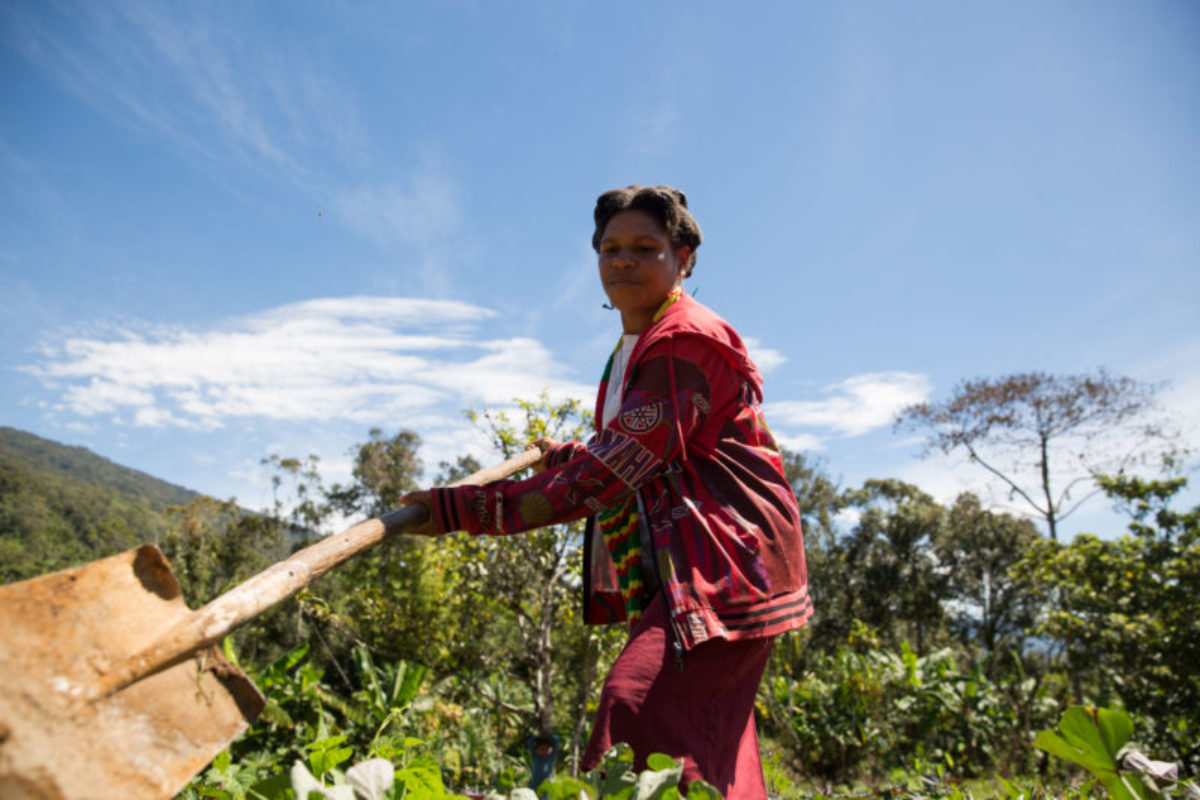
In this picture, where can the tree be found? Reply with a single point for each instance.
(1096, 423)
(394, 599)
(384, 469)
(817, 496)
(212, 546)
(895, 585)
(977, 549)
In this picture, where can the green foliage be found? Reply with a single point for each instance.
(305, 743)
(212, 546)
(499, 614)
(1127, 612)
(863, 710)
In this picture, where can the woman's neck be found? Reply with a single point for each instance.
(636, 321)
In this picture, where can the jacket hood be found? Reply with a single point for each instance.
(689, 317)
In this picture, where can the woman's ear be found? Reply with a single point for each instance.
(683, 257)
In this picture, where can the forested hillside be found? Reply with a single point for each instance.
(62, 505)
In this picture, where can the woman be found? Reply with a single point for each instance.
(694, 535)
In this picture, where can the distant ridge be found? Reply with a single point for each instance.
(62, 505)
(79, 463)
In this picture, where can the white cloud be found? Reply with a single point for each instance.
(855, 405)
(1180, 397)
(799, 442)
(765, 358)
(365, 360)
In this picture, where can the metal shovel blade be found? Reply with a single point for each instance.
(60, 634)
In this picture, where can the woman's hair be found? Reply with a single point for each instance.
(666, 204)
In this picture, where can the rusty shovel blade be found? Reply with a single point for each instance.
(63, 631)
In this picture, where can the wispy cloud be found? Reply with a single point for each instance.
(182, 79)
(653, 133)
(365, 360)
(187, 79)
(190, 78)
(855, 405)
(416, 211)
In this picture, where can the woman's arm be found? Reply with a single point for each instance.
(674, 388)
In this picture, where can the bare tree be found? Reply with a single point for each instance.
(1015, 426)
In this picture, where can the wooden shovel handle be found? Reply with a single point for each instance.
(208, 625)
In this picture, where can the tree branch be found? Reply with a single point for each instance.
(1017, 489)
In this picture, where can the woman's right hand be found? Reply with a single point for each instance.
(543, 443)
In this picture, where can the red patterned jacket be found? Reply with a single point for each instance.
(690, 438)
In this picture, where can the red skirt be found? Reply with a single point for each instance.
(703, 713)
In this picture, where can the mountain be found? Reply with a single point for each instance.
(62, 505)
(79, 463)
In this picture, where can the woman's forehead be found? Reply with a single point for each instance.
(634, 222)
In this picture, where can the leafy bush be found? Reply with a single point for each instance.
(867, 711)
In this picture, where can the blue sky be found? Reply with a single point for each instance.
(235, 229)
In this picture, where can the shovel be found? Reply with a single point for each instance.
(110, 686)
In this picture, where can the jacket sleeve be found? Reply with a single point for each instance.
(673, 388)
(563, 452)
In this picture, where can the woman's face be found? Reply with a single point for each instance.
(638, 267)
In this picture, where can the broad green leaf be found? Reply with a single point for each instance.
(422, 778)
(659, 761)
(1056, 744)
(1078, 738)
(1116, 729)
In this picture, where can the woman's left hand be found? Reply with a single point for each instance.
(422, 497)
